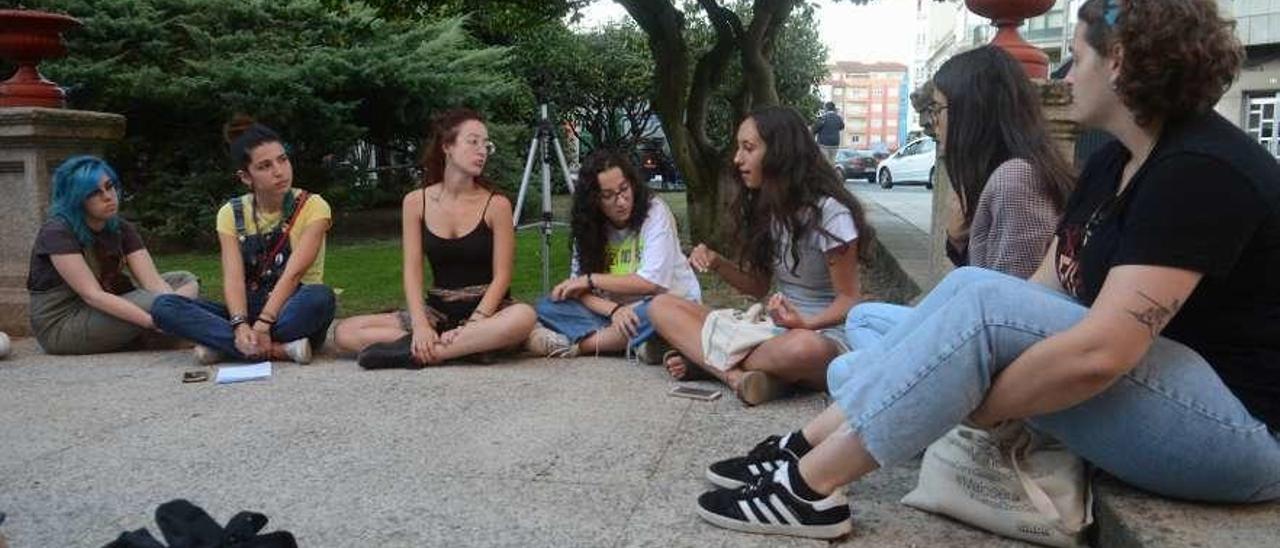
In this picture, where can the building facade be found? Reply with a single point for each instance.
(873, 100)
(1253, 100)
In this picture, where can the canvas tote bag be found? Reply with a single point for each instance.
(1011, 481)
(729, 335)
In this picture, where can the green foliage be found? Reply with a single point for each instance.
(799, 64)
(600, 80)
(326, 79)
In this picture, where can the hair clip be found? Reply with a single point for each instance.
(1113, 12)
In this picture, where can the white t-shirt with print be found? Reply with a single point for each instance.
(653, 253)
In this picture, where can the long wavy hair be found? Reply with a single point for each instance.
(589, 223)
(444, 131)
(796, 178)
(73, 182)
(993, 116)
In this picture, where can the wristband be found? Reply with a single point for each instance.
(237, 320)
(266, 321)
(590, 284)
(615, 310)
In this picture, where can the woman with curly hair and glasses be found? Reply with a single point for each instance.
(1150, 332)
(626, 249)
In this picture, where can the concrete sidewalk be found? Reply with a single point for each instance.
(585, 452)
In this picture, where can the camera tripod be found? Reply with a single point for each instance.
(543, 140)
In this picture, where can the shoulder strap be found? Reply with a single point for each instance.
(237, 211)
(486, 205)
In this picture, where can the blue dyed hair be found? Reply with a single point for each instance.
(73, 182)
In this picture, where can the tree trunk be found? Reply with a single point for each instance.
(682, 98)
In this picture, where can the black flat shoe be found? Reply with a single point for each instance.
(397, 354)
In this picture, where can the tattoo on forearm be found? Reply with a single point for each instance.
(1156, 315)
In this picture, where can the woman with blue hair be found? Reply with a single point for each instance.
(82, 301)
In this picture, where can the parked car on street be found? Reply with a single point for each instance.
(911, 164)
(856, 164)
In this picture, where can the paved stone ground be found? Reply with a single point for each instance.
(586, 452)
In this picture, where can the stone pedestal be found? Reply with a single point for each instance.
(33, 142)
(1055, 97)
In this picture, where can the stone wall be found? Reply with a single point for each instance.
(33, 142)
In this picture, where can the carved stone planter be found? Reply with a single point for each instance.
(1007, 16)
(26, 38)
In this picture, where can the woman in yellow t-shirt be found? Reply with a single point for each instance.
(272, 241)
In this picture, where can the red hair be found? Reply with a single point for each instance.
(444, 131)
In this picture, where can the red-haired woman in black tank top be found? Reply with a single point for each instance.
(464, 227)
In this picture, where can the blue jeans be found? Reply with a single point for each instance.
(868, 323)
(305, 315)
(574, 320)
(1169, 425)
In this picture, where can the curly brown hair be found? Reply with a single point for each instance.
(1180, 56)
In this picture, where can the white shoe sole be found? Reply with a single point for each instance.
(721, 481)
(825, 532)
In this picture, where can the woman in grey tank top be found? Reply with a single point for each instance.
(796, 227)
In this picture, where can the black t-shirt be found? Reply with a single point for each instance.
(1207, 200)
(109, 250)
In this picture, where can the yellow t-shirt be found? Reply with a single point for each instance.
(316, 209)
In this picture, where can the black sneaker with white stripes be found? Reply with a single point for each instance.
(770, 507)
(766, 457)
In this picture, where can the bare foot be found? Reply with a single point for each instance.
(676, 366)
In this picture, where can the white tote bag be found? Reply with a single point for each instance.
(1010, 481)
(728, 335)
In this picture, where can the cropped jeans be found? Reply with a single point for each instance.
(305, 315)
(574, 320)
(1169, 425)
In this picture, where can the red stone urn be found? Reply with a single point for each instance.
(26, 38)
(1008, 15)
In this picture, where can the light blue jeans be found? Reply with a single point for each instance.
(1169, 426)
(574, 320)
(868, 323)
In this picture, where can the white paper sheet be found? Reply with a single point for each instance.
(241, 373)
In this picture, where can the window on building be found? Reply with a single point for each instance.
(859, 93)
(877, 92)
(877, 107)
(875, 122)
(837, 92)
(1261, 122)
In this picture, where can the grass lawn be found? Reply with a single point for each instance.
(366, 273)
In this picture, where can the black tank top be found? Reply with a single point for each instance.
(457, 263)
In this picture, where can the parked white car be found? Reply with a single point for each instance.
(911, 164)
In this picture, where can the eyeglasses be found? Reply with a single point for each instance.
(607, 196)
(476, 142)
(102, 191)
(932, 110)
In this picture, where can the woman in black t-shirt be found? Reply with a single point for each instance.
(82, 302)
(1148, 341)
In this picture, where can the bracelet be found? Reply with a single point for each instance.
(615, 309)
(269, 318)
(237, 320)
(590, 284)
(266, 321)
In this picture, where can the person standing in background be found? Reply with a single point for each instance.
(827, 129)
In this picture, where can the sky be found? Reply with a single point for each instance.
(882, 31)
